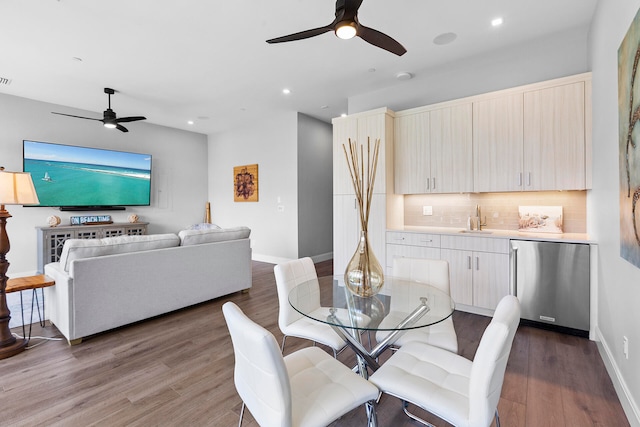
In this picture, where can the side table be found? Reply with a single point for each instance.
(36, 282)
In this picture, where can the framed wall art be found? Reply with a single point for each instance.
(245, 183)
(628, 140)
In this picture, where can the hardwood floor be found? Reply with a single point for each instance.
(177, 370)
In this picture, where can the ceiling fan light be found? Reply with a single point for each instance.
(110, 125)
(346, 30)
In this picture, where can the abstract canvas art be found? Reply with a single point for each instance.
(629, 137)
(245, 183)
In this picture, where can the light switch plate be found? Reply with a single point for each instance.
(427, 210)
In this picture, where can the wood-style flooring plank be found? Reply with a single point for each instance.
(177, 370)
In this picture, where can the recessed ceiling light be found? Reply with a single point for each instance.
(445, 38)
(343, 115)
(190, 122)
(324, 107)
(404, 76)
(286, 91)
(496, 22)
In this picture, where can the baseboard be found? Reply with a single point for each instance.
(626, 400)
(278, 260)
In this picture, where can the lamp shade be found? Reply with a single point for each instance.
(16, 188)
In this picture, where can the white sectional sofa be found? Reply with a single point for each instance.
(102, 284)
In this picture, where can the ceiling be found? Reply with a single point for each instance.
(208, 62)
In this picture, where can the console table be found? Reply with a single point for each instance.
(51, 239)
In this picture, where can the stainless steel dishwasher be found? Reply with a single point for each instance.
(551, 280)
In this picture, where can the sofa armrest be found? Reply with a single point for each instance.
(58, 298)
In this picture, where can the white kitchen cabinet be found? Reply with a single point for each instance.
(451, 135)
(554, 138)
(412, 154)
(376, 124)
(434, 151)
(479, 269)
(346, 229)
(498, 136)
(402, 244)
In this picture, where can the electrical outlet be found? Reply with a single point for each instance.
(625, 347)
(427, 210)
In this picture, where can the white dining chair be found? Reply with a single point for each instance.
(291, 322)
(307, 388)
(455, 389)
(433, 272)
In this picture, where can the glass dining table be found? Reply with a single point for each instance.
(401, 305)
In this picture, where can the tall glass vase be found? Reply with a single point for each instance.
(364, 276)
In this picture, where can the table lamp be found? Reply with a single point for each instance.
(16, 188)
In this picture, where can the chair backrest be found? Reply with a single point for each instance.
(288, 275)
(260, 375)
(434, 272)
(490, 361)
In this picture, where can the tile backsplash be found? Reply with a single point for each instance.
(499, 209)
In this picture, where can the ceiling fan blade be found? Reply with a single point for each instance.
(130, 119)
(381, 40)
(121, 128)
(302, 34)
(78, 117)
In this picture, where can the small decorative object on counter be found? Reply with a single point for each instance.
(364, 276)
(53, 221)
(540, 219)
(133, 218)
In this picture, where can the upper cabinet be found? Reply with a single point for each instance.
(554, 138)
(370, 126)
(434, 151)
(497, 144)
(530, 138)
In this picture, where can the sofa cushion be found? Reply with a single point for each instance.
(197, 237)
(87, 248)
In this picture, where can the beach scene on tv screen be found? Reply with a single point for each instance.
(66, 175)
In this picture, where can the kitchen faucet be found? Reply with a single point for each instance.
(478, 219)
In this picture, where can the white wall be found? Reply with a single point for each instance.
(558, 55)
(272, 144)
(618, 280)
(179, 181)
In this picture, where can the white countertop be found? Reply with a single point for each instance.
(503, 234)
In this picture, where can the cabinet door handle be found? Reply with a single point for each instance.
(529, 179)
(520, 179)
(434, 183)
(428, 184)
(477, 263)
(468, 262)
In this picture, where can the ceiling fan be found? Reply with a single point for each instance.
(109, 119)
(346, 26)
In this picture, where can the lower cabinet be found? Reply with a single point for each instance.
(478, 266)
(411, 245)
(478, 279)
(479, 269)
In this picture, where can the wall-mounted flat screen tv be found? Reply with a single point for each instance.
(84, 178)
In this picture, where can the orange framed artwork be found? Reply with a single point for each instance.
(245, 183)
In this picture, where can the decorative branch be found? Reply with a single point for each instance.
(363, 180)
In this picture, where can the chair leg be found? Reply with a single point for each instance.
(241, 415)
(497, 418)
(405, 404)
(284, 338)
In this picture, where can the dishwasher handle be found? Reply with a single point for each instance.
(513, 286)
